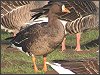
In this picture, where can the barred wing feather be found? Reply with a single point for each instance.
(15, 14)
(80, 66)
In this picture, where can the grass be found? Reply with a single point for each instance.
(16, 62)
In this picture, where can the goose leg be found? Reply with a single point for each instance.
(78, 36)
(15, 32)
(44, 66)
(63, 44)
(35, 67)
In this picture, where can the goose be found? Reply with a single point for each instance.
(15, 14)
(83, 16)
(75, 66)
(35, 40)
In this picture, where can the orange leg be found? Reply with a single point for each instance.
(44, 66)
(64, 44)
(78, 36)
(15, 32)
(35, 67)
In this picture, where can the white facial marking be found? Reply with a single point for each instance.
(63, 8)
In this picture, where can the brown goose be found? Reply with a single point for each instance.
(15, 14)
(75, 66)
(83, 16)
(42, 38)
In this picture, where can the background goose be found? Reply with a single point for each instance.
(83, 16)
(14, 14)
(75, 66)
(35, 40)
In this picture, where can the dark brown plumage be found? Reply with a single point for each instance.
(41, 38)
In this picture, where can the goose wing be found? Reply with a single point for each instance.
(9, 6)
(80, 66)
(25, 35)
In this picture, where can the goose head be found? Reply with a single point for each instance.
(58, 7)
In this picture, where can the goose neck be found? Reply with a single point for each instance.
(52, 18)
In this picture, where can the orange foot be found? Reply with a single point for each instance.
(78, 49)
(36, 70)
(44, 69)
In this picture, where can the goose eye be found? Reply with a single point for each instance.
(65, 9)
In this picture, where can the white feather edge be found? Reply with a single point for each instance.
(58, 68)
